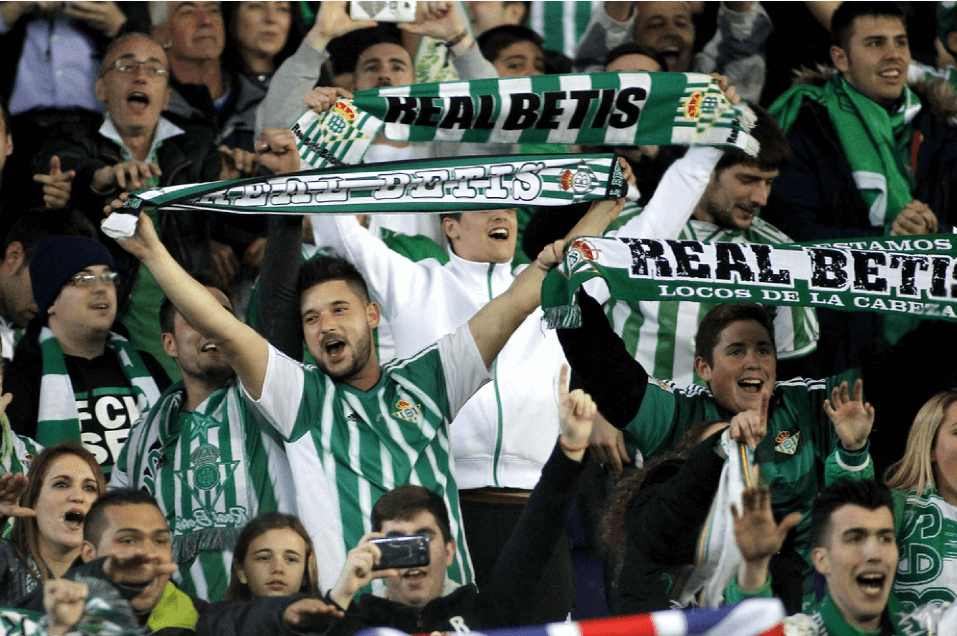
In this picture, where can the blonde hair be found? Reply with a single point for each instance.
(915, 470)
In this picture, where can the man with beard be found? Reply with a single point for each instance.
(352, 428)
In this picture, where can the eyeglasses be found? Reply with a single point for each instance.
(131, 66)
(88, 280)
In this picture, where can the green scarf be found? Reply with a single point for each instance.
(432, 185)
(874, 140)
(898, 276)
(598, 109)
(58, 418)
(175, 609)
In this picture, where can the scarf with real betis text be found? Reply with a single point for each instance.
(58, 418)
(598, 109)
(899, 276)
(432, 185)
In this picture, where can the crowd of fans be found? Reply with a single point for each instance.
(214, 423)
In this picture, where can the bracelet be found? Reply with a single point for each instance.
(461, 35)
(568, 449)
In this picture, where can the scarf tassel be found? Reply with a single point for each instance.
(186, 547)
(563, 317)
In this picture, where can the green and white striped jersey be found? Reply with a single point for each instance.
(660, 334)
(16, 453)
(348, 447)
(211, 471)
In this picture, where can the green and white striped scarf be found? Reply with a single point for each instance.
(898, 276)
(58, 418)
(597, 109)
(874, 141)
(432, 185)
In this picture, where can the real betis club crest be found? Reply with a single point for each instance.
(406, 411)
(787, 443)
(206, 477)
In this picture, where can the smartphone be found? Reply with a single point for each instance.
(402, 552)
(388, 11)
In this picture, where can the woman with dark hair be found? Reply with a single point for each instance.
(654, 519)
(273, 556)
(50, 508)
(260, 36)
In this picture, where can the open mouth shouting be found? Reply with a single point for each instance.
(334, 348)
(872, 583)
(751, 385)
(73, 519)
(499, 234)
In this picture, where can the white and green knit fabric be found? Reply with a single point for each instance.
(58, 418)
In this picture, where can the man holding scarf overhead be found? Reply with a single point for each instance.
(870, 157)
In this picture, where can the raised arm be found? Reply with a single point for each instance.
(245, 350)
(495, 323)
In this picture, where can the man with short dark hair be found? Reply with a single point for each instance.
(400, 411)
(514, 51)
(74, 378)
(855, 550)
(872, 157)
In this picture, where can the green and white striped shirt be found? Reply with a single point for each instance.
(348, 447)
(211, 471)
(660, 334)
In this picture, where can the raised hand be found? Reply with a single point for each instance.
(440, 20)
(730, 92)
(64, 601)
(750, 427)
(105, 17)
(57, 185)
(277, 150)
(853, 418)
(575, 412)
(237, 163)
(332, 21)
(135, 565)
(127, 175)
(12, 487)
(321, 98)
(757, 535)
(358, 572)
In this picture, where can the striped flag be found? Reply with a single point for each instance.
(753, 617)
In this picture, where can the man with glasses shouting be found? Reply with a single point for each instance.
(74, 378)
(135, 148)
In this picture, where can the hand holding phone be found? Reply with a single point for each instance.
(402, 552)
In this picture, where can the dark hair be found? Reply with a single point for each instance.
(407, 501)
(26, 531)
(95, 524)
(345, 50)
(842, 22)
(613, 529)
(259, 526)
(167, 312)
(720, 318)
(126, 37)
(330, 268)
(492, 42)
(866, 493)
(775, 150)
(233, 60)
(633, 48)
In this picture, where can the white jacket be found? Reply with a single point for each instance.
(506, 431)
